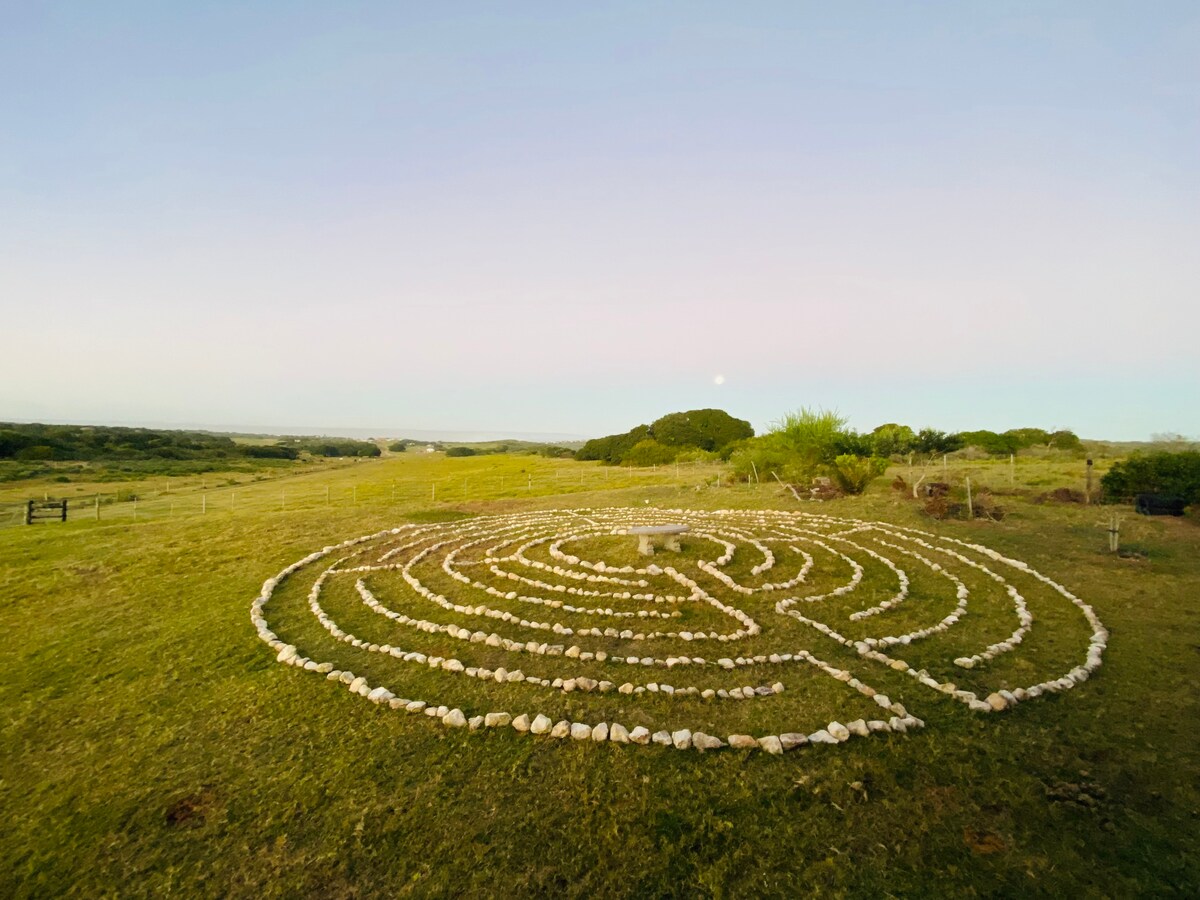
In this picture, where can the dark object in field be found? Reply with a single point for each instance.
(936, 489)
(45, 509)
(899, 484)
(1159, 505)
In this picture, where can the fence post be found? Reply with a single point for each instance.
(203, 503)
(970, 505)
(97, 507)
(29, 512)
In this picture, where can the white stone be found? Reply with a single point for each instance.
(600, 732)
(792, 739)
(618, 734)
(496, 719)
(581, 732)
(455, 719)
(771, 744)
(540, 724)
(521, 722)
(639, 735)
(742, 742)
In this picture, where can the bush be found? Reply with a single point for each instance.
(1173, 474)
(812, 435)
(461, 451)
(650, 453)
(854, 473)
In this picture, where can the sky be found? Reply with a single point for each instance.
(572, 218)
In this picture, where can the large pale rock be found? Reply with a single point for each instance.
(838, 730)
(771, 744)
(496, 719)
(581, 732)
(702, 741)
(561, 730)
(540, 724)
(661, 737)
(859, 727)
(640, 735)
(822, 737)
(995, 701)
(618, 734)
(600, 732)
(682, 739)
(455, 719)
(521, 722)
(742, 742)
(792, 740)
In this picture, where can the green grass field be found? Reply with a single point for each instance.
(154, 746)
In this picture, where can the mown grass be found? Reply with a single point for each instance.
(153, 746)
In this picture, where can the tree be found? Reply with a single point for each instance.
(893, 440)
(707, 429)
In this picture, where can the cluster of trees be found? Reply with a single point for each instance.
(661, 442)
(808, 443)
(894, 440)
(1170, 474)
(332, 447)
(550, 451)
(102, 442)
(88, 442)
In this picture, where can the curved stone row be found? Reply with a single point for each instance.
(505, 548)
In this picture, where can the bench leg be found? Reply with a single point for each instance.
(645, 546)
(672, 543)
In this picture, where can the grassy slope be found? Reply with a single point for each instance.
(153, 745)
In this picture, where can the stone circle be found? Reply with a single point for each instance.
(758, 615)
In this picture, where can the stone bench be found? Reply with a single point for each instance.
(648, 535)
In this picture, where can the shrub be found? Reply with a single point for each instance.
(1174, 474)
(649, 453)
(461, 451)
(811, 434)
(766, 456)
(854, 473)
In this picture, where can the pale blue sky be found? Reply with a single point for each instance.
(570, 218)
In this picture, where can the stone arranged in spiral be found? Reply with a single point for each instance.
(762, 617)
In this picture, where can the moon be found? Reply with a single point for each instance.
(719, 379)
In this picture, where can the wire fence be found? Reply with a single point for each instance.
(158, 499)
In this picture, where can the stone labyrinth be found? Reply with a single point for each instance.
(768, 630)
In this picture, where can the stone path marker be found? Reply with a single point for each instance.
(788, 546)
(649, 534)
